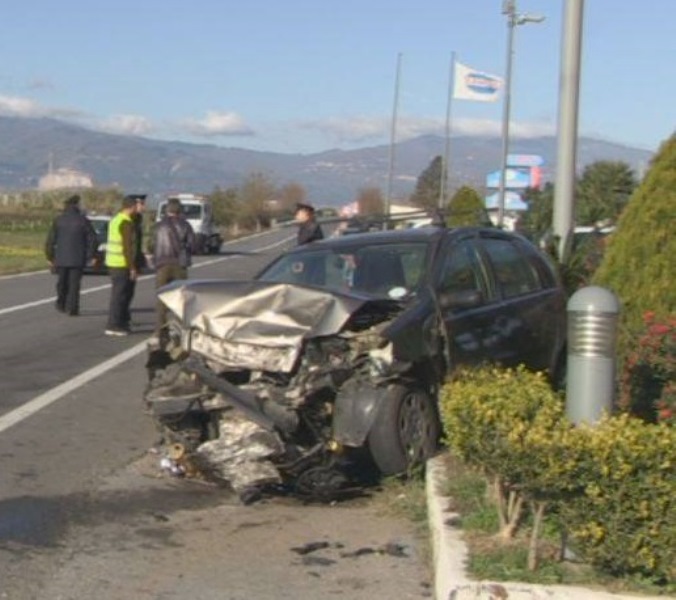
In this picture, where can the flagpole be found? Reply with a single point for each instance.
(393, 139)
(445, 171)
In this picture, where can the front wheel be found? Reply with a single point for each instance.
(405, 432)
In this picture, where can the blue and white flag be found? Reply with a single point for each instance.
(470, 84)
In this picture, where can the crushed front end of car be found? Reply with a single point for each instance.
(272, 383)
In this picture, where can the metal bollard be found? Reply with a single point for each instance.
(592, 339)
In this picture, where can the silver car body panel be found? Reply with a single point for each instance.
(255, 325)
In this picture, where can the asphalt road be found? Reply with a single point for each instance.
(85, 511)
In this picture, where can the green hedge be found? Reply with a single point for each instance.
(614, 483)
(625, 519)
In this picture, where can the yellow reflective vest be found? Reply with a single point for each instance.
(114, 250)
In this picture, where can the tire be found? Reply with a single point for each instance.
(405, 432)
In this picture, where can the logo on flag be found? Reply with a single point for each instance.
(470, 84)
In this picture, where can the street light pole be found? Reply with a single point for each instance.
(569, 93)
(513, 19)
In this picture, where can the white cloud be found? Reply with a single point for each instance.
(358, 130)
(16, 106)
(217, 123)
(127, 125)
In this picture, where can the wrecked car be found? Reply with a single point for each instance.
(330, 361)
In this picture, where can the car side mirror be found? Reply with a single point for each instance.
(462, 299)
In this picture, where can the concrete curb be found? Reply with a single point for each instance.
(449, 555)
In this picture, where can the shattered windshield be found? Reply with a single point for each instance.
(383, 270)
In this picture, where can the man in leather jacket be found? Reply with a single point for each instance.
(172, 245)
(309, 230)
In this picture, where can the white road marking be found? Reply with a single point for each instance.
(213, 261)
(49, 397)
(28, 274)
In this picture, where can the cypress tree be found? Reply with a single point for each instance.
(466, 208)
(639, 264)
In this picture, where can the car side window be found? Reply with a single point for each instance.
(513, 271)
(461, 270)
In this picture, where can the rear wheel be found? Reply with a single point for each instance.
(405, 432)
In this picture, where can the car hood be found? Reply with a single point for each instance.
(257, 324)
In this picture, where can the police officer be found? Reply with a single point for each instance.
(120, 250)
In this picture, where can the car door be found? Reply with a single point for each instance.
(466, 301)
(523, 308)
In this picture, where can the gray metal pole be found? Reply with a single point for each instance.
(445, 170)
(393, 141)
(509, 10)
(569, 92)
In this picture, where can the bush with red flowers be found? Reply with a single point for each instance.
(648, 382)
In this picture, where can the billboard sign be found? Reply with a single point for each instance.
(525, 160)
(514, 179)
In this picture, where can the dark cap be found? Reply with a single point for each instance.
(137, 197)
(73, 200)
(307, 207)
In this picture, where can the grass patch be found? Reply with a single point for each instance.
(405, 496)
(22, 250)
(493, 559)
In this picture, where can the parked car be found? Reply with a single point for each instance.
(100, 225)
(334, 355)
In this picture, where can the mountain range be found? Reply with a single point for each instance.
(331, 177)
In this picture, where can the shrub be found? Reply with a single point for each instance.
(614, 484)
(625, 521)
(491, 417)
(648, 381)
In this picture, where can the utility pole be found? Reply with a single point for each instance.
(569, 94)
(393, 141)
(513, 19)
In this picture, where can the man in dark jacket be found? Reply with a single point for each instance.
(173, 246)
(137, 218)
(139, 259)
(309, 230)
(71, 242)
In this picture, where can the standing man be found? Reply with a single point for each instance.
(121, 266)
(309, 230)
(140, 262)
(70, 244)
(173, 245)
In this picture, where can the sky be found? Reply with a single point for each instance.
(300, 76)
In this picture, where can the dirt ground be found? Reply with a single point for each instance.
(146, 535)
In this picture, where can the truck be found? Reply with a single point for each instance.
(198, 211)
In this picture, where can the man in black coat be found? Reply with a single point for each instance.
(309, 230)
(71, 242)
